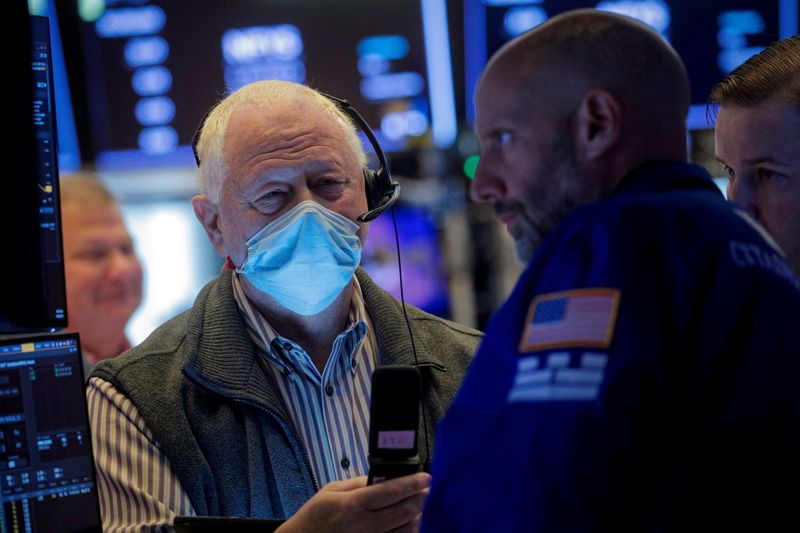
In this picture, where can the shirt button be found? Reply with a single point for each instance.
(345, 463)
(329, 392)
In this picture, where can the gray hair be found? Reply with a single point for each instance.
(211, 143)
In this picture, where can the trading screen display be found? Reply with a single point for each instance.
(45, 450)
(47, 232)
(424, 281)
(712, 37)
(155, 67)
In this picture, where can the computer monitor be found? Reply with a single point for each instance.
(712, 37)
(424, 280)
(46, 461)
(34, 296)
(153, 69)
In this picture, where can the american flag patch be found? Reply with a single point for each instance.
(581, 317)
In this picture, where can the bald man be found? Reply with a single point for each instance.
(758, 140)
(102, 271)
(641, 376)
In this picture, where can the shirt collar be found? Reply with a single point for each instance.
(288, 354)
(665, 175)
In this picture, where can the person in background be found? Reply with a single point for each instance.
(103, 274)
(255, 402)
(758, 140)
(642, 376)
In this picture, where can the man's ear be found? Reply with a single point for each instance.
(208, 215)
(599, 123)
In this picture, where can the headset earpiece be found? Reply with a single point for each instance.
(381, 190)
(381, 193)
(375, 187)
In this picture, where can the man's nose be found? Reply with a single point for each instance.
(487, 186)
(122, 264)
(743, 192)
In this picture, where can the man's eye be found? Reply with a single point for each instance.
(92, 255)
(764, 174)
(270, 196)
(269, 200)
(502, 138)
(728, 171)
(330, 187)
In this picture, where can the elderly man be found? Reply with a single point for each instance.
(758, 140)
(641, 376)
(102, 271)
(255, 402)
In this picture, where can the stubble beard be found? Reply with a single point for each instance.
(566, 191)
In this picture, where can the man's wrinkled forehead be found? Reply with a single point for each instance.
(283, 120)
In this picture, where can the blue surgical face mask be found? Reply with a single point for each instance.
(304, 258)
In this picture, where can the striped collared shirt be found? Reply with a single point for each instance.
(137, 488)
(136, 485)
(329, 410)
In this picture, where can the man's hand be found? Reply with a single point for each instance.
(352, 506)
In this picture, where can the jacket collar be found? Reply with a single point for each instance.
(225, 360)
(663, 176)
(391, 330)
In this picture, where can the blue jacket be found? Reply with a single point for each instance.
(642, 376)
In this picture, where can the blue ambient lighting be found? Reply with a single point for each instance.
(143, 51)
(245, 45)
(131, 22)
(155, 111)
(158, 140)
(392, 86)
(151, 81)
(386, 46)
(654, 13)
(440, 75)
(518, 20)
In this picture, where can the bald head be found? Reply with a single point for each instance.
(558, 62)
(566, 111)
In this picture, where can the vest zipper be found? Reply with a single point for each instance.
(431, 365)
(290, 431)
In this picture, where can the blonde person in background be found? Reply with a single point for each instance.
(103, 273)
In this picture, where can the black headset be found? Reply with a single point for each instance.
(381, 190)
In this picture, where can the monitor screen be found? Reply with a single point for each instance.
(424, 279)
(153, 68)
(712, 37)
(46, 460)
(35, 298)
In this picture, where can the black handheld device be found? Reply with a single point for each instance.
(394, 423)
